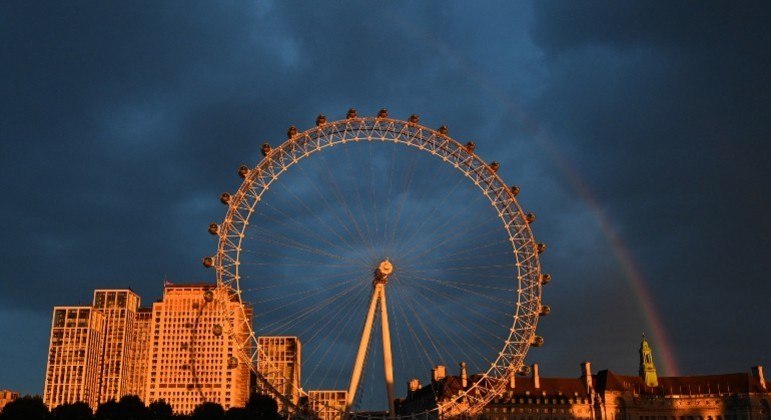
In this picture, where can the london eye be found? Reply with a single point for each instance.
(394, 254)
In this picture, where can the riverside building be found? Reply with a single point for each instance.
(279, 360)
(606, 395)
(74, 355)
(192, 358)
(177, 350)
(119, 357)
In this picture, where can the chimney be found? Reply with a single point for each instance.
(438, 373)
(757, 372)
(463, 375)
(536, 377)
(512, 378)
(586, 375)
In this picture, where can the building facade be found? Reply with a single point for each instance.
(192, 359)
(606, 395)
(279, 361)
(119, 308)
(142, 343)
(7, 396)
(327, 404)
(75, 349)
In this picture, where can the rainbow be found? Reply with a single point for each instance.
(656, 331)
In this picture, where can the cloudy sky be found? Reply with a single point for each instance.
(638, 133)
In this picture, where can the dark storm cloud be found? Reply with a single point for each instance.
(122, 123)
(666, 110)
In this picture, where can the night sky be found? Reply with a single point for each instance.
(638, 132)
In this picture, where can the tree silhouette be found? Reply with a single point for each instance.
(238, 413)
(74, 411)
(160, 410)
(208, 411)
(109, 410)
(25, 408)
(132, 408)
(262, 406)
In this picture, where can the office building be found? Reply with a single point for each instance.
(74, 356)
(192, 356)
(279, 360)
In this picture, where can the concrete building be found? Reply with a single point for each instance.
(327, 404)
(607, 395)
(142, 342)
(279, 360)
(74, 352)
(7, 396)
(119, 307)
(192, 358)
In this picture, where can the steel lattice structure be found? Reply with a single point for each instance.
(242, 204)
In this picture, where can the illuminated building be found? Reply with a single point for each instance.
(607, 395)
(119, 309)
(327, 405)
(192, 359)
(73, 369)
(7, 396)
(141, 339)
(279, 360)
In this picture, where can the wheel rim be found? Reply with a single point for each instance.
(245, 202)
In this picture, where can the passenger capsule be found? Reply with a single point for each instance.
(524, 370)
(243, 171)
(232, 362)
(443, 130)
(545, 310)
(470, 146)
(208, 296)
(214, 228)
(217, 330)
(208, 262)
(351, 113)
(265, 149)
(530, 217)
(545, 278)
(414, 119)
(321, 120)
(541, 248)
(494, 166)
(225, 198)
(537, 341)
(291, 132)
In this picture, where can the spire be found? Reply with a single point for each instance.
(647, 368)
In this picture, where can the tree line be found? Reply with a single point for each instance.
(130, 407)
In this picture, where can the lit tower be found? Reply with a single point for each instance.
(647, 368)
(382, 271)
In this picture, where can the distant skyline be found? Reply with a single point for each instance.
(638, 134)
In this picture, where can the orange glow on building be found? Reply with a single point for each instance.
(279, 360)
(327, 405)
(75, 349)
(191, 353)
(141, 338)
(119, 308)
(7, 396)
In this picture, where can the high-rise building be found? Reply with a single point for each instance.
(192, 356)
(327, 405)
(119, 307)
(73, 369)
(141, 362)
(279, 360)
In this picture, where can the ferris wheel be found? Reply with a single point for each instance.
(394, 263)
